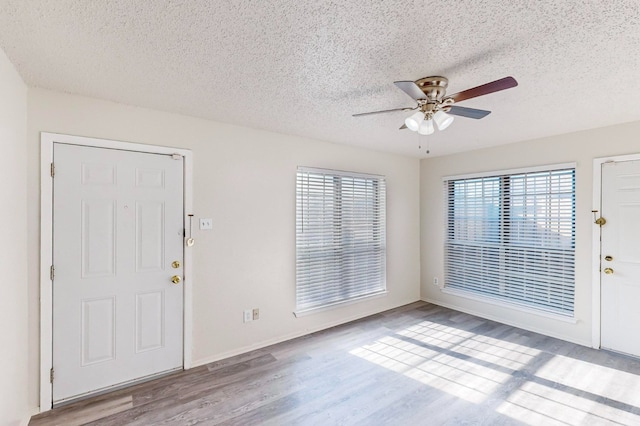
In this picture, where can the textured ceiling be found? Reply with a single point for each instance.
(303, 67)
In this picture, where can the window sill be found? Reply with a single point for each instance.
(515, 306)
(309, 311)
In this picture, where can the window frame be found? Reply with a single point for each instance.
(504, 200)
(340, 234)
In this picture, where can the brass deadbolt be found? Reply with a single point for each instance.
(175, 264)
(608, 258)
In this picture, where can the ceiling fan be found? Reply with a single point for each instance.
(434, 107)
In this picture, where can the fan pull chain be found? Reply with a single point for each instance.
(428, 150)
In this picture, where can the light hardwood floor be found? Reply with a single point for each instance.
(416, 365)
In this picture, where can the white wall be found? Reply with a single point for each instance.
(580, 147)
(13, 246)
(245, 180)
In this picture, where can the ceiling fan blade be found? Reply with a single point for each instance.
(404, 126)
(468, 112)
(485, 89)
(411, 89)
(383, 111)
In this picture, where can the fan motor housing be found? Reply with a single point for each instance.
(434, 87)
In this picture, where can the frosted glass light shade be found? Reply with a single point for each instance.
(426, 127)
(413, 121)
(442, 119)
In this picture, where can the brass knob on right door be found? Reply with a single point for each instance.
(608, 271)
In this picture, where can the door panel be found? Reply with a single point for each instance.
(150, 315)
(149, 236)
(628, 246)
(620, 240)
(97, 330)
(118, 226)
(98, 237)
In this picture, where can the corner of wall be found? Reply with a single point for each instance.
(14, 406)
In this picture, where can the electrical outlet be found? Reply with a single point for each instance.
(435, 281)
(247, 315)
(256, 314)
(206, 223)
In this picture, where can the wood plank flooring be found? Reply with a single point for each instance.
(420, 364)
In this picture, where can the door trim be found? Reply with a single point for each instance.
(46, 246)
(596, 306)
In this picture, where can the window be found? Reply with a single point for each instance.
(340, 237)
(511, 237)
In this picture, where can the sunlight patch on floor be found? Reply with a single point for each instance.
(474, 367)
(500, 352)
(393, 354)
(447, 360)
(460, 389)
(505, 354)
(536, 404)
(593, 378)
(436, 334)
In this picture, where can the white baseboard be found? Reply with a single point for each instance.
(280, 339)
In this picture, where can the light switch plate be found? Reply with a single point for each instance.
(206, 223)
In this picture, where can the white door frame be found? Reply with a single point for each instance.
(596, 307)
(46, 245)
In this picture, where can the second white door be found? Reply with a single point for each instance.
(118, 233)
(620, 252)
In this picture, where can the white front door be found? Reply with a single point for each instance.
(620, 257)
(117, 243)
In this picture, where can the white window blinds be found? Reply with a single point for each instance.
(340, 237)
(512, 238)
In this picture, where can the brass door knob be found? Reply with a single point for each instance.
(176, 279)
(608, 271)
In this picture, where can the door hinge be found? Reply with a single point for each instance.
(52, 272)
(51, 375)
(53, 170)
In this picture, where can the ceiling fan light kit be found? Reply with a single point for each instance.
(414, 120)
(442, 119)
(426, 127)
(433, 104)
(422, 122)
